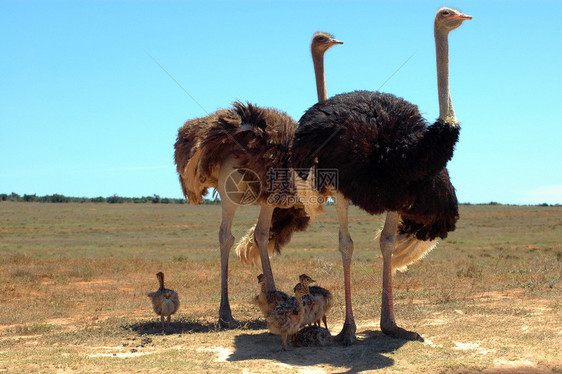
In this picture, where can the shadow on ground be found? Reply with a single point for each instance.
(365, 354)
(183, 326)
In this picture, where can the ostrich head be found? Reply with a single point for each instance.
(322, 41)
(448, 19)
(305, 279)
(300, 290)
(160, 277)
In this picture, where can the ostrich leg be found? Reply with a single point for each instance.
(347, 334)
(226, 241)
(387, 241)
(261, 236)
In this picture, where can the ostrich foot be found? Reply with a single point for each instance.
(400, 333)
(284, 342)
(347, 334)
(228, 324)
(293, 340)
(226, 321)
(286, 348)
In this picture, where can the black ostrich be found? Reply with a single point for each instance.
(233, 150)
(389, 159)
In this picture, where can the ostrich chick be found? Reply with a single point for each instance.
(164, 301)
(286, 318)
(312, 306)
(311, 336)
(321, 296)
(267, 301)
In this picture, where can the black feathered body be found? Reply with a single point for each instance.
(387, 156)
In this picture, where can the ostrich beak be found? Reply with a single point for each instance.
(461, 17)
(335, 41)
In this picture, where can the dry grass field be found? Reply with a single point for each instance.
(74, 278)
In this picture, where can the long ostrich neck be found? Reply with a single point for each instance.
(318, 60)
(446, 110)
(428, 159)
(299, 300)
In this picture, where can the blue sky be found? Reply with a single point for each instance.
(85, 111)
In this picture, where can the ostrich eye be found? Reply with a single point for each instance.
(445, 13)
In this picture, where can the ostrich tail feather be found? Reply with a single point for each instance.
(284, 223)
(247, 249)
(308, 195)
(408, 249)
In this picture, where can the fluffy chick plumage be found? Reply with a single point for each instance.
(165, 302)
(267, 301)
(286, 318)
(320, 302)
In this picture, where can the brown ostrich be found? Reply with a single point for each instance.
(389, 159)
(231, 150)
(165, 302)
(284, 223)
(234, 151)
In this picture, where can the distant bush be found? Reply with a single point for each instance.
(29, 198)
(12, 197)
(115, 199)
(56, 198)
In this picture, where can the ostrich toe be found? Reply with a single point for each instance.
(400, 333)
(347, 335)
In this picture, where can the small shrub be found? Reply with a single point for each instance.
(34, 329)
(84, 272)
(19, 259)
(25, 276)
(446, 296)
(472, 270)
(530, 285)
